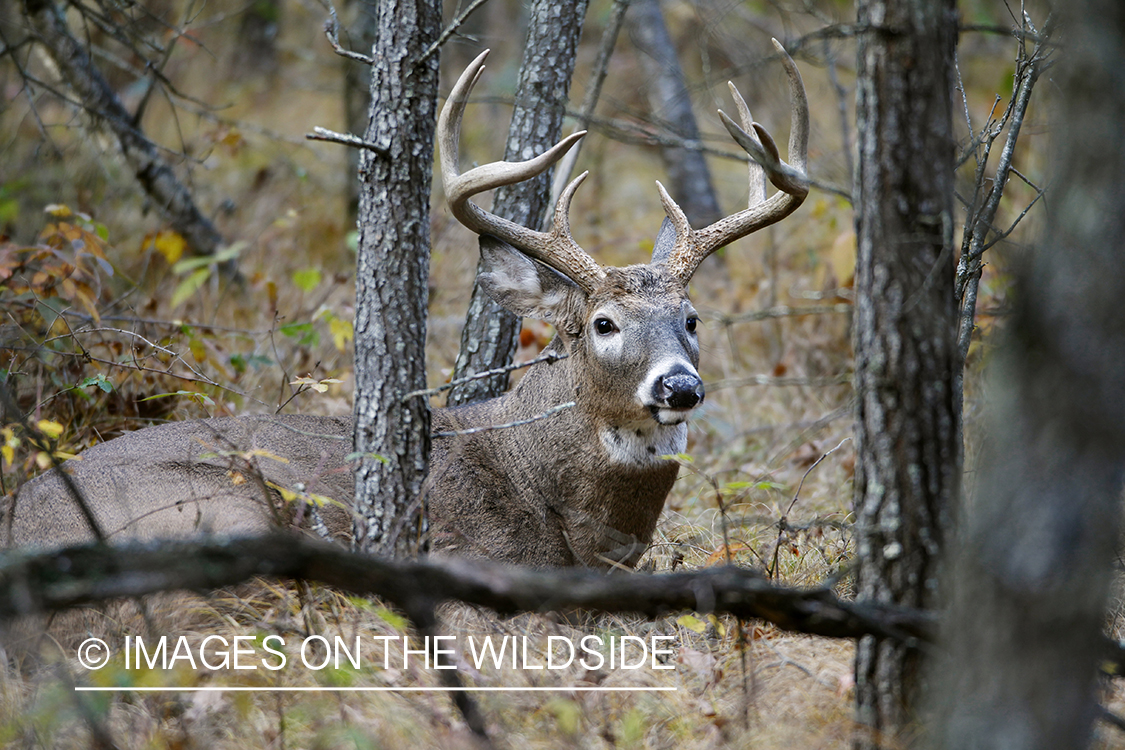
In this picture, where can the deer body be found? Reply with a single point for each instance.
(580, 470)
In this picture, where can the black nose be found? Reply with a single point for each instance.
(680, 390)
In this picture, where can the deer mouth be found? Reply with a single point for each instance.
(671, 415)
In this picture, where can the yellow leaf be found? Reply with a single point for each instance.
(198, 350)
(49, 428)
(11, 442)
(286, 495)
(58, 210)
(263, 453)
(43, 460)
(188, 286)
(342, 332)
(170, 244)
(692, 623)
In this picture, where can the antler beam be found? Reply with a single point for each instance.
(555, 248)
(693, 245)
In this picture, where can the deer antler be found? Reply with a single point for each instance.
(555, 248)
(693, 245)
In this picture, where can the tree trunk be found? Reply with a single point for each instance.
(1031, 578)
(491, 333)
(391, 280)
(101, 103)
(907, 467)
(689, 180)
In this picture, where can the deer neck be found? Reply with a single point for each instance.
(610, 476)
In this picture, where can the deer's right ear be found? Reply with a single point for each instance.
(525, 286)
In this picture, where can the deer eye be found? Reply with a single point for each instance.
(604, 326)
(691, 323)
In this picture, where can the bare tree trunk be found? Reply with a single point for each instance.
(391, 280)
(491, 333)
(154, 174)
(360, 26)
(907, 467)
(1030, 580)
(689, 180)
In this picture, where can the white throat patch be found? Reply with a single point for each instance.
(643, 446)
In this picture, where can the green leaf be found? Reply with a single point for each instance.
(305, 334)
(190, 285)
(227, 253)
(394, 619)
(99, 380)
(307, 279)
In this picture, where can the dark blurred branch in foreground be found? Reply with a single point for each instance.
(47, 582)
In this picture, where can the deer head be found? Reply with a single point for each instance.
(631, 332)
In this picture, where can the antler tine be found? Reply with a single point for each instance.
(757, 175)
(555, 248)
(693, 245)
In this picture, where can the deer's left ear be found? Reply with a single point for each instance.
(665, 242)
(528, 288)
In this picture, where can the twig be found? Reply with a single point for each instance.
(783, 311)
(979, 221)
(332, 31)
(783, 522)
(565, 166)
(451, 29)
(549, 357)
(344, 139)
(485, 428)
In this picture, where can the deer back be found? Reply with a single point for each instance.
(224, 476)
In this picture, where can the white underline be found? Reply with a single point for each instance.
(317, 689)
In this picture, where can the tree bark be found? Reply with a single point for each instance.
(392, 274)
(907, 466)
(491, 333)
(155, 175)
(1030, 580)
(689, 180)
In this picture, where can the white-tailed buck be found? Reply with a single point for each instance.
(583, 486)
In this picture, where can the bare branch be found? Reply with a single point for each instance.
(345, 139)
(332, 31)
(548, 357)
(451, 29)
(48, 582)
(485, 428)
(784, 311)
